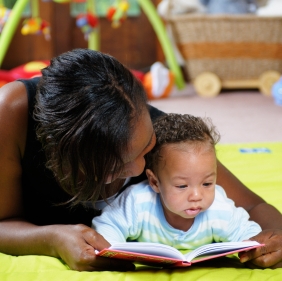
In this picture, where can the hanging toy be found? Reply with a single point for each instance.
(117, 13)
(87, 23)
(4, 15)
(36, 26)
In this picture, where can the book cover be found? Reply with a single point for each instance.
(165, 256)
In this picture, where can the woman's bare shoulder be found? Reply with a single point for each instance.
(12, 93)
(14, 113)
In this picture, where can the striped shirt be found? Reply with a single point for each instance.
(137, 215)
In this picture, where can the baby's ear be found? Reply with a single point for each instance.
(153, 180)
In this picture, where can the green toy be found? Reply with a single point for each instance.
(93, 41)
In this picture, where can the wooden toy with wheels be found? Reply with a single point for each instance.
(229, 51)
(208, 84)
(266, 81)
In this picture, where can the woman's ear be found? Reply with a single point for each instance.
(153, 180)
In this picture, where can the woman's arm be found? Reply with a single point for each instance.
(75, 244)
(261, 212)
(269, 218)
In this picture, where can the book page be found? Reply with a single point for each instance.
(219, 248)
(147, 248)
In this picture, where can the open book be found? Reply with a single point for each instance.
(164, 255)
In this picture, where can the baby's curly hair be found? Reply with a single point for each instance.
(178, 128)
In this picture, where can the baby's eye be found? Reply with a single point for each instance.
(207, 184)
(181, 186)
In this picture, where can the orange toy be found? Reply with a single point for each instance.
(158, 82)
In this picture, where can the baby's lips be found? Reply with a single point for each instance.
(193, 212)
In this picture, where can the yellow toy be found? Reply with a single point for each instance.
(36, 26)
(117, 13)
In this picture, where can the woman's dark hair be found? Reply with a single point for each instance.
(87, 105)
(179, 128)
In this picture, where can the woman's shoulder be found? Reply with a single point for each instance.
(13, 112)
(12, 91)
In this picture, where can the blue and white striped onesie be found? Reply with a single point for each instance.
(137, 215)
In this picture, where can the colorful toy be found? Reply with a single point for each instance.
(158, 82)
(36, 26)
(276, 91)
(87, 23)
(93, 40)
(117, 13)
(27, 70)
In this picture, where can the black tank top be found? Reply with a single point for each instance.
(42, 195)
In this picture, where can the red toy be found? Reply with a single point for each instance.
(87, 23)
(28, 70)
(158, 82)
(138, 74)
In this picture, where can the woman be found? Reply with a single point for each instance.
(93, 127)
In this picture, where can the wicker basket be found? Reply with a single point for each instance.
(240, 51)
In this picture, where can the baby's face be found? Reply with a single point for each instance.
(187, 180)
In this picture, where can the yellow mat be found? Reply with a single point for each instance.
(258, 165)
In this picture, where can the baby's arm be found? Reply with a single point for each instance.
(237, 226)
(241, 227)
(118, 220)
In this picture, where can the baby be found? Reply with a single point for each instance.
(180, 204)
